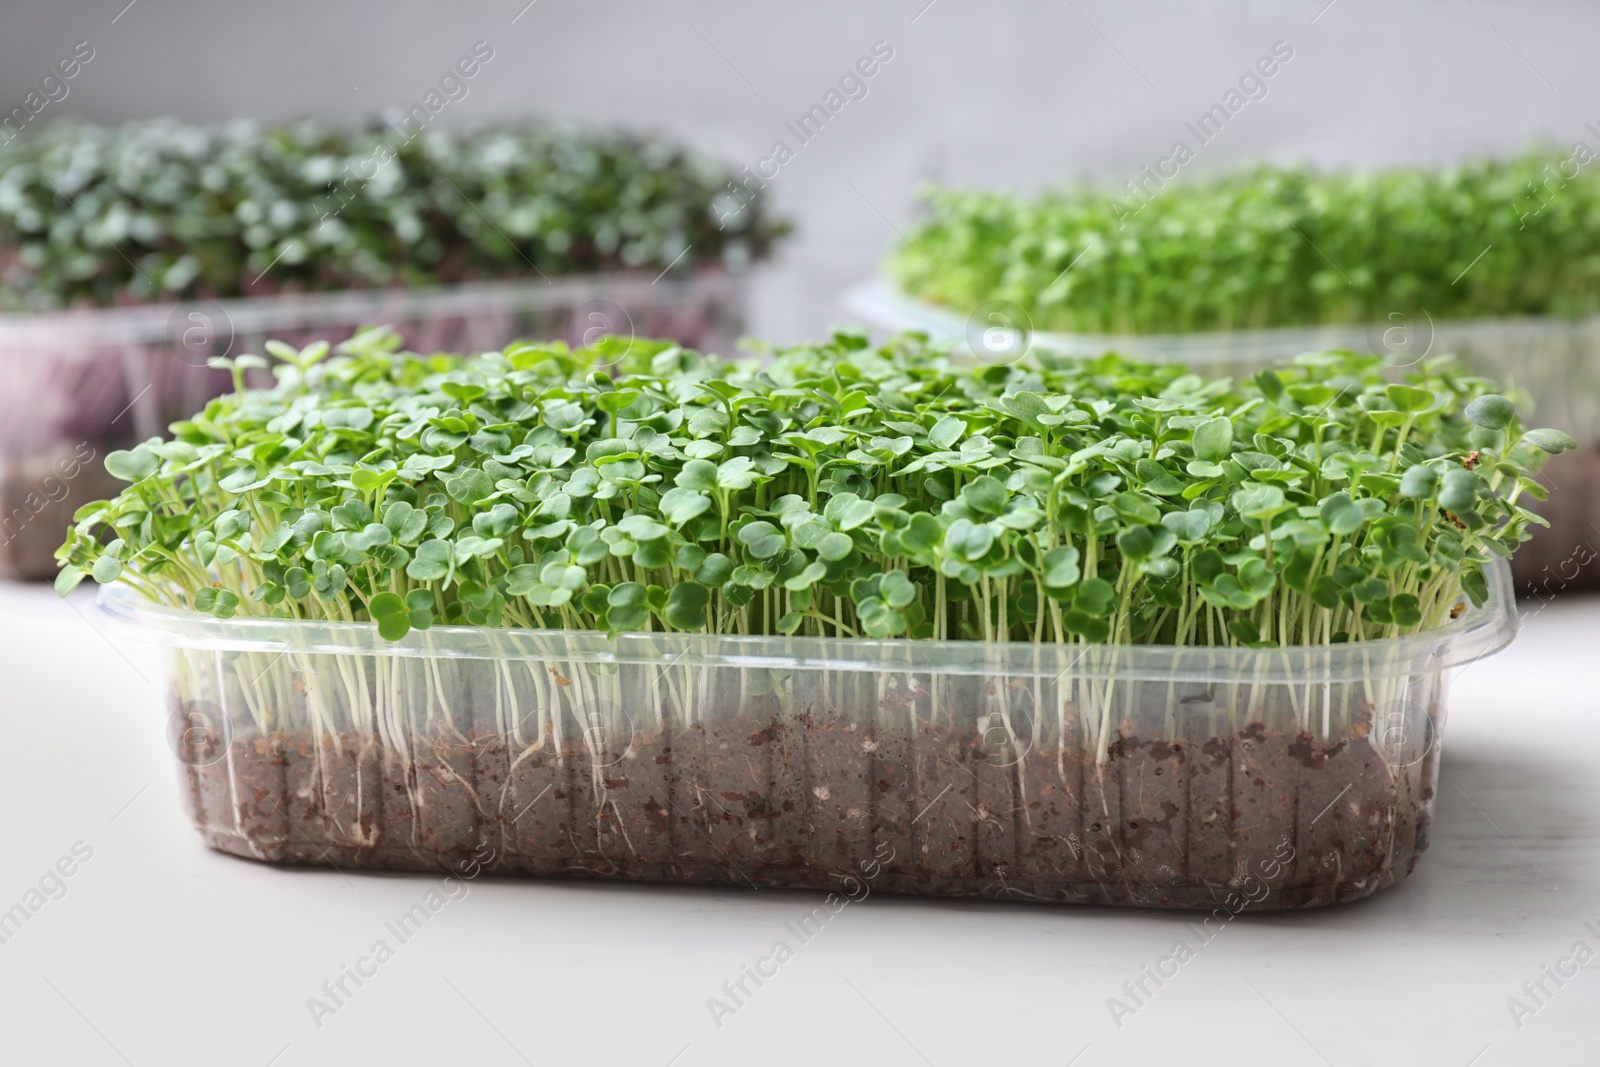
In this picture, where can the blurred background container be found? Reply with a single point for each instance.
(133, 255)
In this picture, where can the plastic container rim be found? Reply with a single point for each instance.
(1477, 633)
(883, 303)
(150, 323)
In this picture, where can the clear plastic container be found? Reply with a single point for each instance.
(1141, 775)
(97, 379)
(1555, 361)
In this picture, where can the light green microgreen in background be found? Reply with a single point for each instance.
(1270, 246)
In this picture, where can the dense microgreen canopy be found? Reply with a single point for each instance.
(1271, 247)
(162, 211)
(834, 489)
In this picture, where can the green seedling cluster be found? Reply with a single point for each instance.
(834, 490)
(158, 210)
(1270, 247)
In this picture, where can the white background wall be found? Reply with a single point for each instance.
(1012, 93)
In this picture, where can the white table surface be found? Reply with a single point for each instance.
(162, 953)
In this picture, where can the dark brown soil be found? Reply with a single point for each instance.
(1565, 556)
(38, 496)
(531, 825)
(1257, 820)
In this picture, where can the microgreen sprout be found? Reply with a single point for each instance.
(1270, 247)
(160, 210)
(834, 490)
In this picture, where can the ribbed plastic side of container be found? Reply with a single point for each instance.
(86, 382)
(1556, 361)
(1151, 776)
